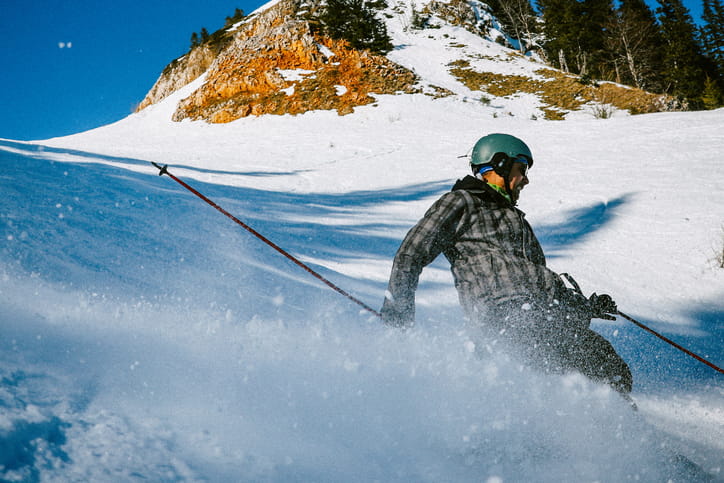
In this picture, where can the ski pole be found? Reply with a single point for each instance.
(164, 170)
(665, 339)
(650, 330)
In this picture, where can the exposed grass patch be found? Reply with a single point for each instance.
(559, 92)
(437, 92)
(460, 63)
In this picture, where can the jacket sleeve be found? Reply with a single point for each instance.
(423, 243)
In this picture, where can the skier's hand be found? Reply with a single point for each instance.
(602, 307)
(393, 316)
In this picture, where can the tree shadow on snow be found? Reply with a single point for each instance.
(98, 224)
(39, 150)
(273, 208)
(114, 226)
(580, 223)
(134, 227)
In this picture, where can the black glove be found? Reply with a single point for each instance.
(602, 307)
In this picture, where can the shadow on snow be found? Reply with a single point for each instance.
(105, 220)
(580, 223)
(82, 224)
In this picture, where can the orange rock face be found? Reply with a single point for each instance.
(276, 65)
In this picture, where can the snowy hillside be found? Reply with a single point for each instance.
(145, 336)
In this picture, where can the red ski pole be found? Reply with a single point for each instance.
(164, 170)
(669, 341)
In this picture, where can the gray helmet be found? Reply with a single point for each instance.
(499, 151)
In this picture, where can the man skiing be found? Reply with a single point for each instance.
(500, 270)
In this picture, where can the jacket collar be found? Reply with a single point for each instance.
(482, 189)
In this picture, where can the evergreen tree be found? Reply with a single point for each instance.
(635, 44)
(204, 35)
(238, 15)
(712, 33)
(194, 40)
(356, 22)
(712, 96)
(683, 61)
(560, 28)
(575, 34)
(597, 14)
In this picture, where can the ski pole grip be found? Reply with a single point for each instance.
(162, 169)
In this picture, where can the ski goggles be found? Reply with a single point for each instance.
(502, 159)
(511, 160)
(523, 162)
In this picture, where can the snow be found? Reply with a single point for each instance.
(292, 75)
(146, 336)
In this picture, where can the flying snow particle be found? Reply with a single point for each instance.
(351, 366)
(470, 346)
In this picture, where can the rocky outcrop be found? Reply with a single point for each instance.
(179, 73)
(274, 64)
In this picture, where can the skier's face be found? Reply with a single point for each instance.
(518, 179)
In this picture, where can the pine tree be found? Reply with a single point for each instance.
(575, 32)
(712, 33)
(356, 22)
(238, 15)
(597, 14)
(683, 60)
(559, 26)
(635, 44)
(712, 96)
(194, 40)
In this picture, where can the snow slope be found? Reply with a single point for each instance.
(145, 336)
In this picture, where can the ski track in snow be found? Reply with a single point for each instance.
(146, 337)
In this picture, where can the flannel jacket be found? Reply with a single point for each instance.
(494, 256)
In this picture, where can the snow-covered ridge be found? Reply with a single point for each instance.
(451, 55)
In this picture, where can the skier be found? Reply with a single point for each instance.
(500, 271)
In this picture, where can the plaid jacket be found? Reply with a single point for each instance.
(495, 258)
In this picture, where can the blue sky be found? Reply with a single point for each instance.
(117, 51)
(73, 65)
